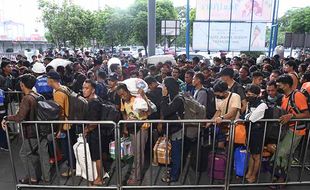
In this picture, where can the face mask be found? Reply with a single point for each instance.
(270, 99)
(220, 97)
(280, 90)
(251, 99)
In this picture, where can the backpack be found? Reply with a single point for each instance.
(273, 128)
(109, 113)
(192, 108)
(78, 105)
(210, 111)
(46, 110)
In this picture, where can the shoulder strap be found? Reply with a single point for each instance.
(292, 103)
(228, 103)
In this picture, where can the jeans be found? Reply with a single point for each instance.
(3, 140)
(284, 149)
(33, 157)
(138, 148)
(176, 146)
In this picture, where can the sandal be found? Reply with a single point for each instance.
(166, 179)
(251, 180)
(98, 183)
(28, 181)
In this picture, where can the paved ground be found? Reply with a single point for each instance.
(187, 178)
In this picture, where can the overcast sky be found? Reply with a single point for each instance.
(26, 11)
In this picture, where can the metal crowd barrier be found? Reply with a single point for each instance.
(150, 173)
(56, 177)
(12, 102)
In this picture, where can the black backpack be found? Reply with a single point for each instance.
(211, 108)
(78, 105)
(109, 113)
(46, 110)
(273, 128)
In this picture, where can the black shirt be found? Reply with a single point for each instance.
(155, 97)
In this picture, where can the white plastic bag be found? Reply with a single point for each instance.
(79, 152)
(134, 84)
(139, 105)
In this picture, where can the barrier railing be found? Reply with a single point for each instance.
(188, 145)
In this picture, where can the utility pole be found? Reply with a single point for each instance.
(151, 27)
(187, 29)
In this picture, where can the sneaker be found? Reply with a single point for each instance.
(106, 176)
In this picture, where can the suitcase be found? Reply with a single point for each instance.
(219, 165)
(162, 152)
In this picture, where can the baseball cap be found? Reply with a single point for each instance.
(53, 75)
(113, 77)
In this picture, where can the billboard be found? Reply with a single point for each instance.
(170, 27)
(240, 10)
(240, 37)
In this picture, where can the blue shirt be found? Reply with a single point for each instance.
(41, 85)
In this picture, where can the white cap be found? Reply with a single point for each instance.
(38, 68)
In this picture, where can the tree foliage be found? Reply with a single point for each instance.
(71, 24)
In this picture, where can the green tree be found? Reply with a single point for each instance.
(294, 20)
(66, 23)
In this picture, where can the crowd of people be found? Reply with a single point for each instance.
(243, 88)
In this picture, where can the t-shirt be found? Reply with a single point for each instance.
(201, 96)
(234, 102)
(94, 110)
(301, 105)
(305, 89)
(127, 107)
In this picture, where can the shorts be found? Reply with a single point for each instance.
(256, 141)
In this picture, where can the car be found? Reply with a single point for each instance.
(154, 60)
(191, 56)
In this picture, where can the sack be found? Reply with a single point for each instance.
(46, 110)
(162, 151)
(126, 151)
(77, 105)
(192, 108)
(79, 152)
(241, 161)
(219, 165)
(211, 109)
(240, 134)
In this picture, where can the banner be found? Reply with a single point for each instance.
(240, 37)
(238, 10)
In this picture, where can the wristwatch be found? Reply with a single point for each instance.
(5, 118)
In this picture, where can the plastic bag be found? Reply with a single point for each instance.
(134, 84)
(126, 151)
(79, 152)
(139, 105)
(241, 161)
